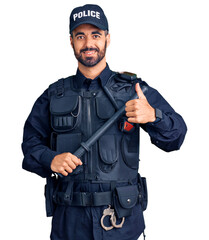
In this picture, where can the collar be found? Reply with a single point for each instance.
(102, 78)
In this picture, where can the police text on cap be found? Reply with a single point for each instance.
(86, 13)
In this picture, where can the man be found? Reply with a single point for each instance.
(99, 195)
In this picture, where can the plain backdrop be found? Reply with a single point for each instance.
(167, 44)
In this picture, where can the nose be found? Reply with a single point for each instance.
(89, 42)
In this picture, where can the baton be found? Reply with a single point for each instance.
(85, 146)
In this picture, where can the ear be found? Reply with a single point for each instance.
(108, 39)
(71, 41)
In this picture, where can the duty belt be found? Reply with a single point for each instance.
(84, 199)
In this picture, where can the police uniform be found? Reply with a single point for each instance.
(63, 118)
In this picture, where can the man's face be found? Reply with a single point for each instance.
(89, 44)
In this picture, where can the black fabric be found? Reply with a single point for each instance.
(101, 80)
(89, 13)
(125, 199)
(167, 134)
(104, 108)
(84, 199)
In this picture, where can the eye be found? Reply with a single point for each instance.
(96, 36)
(80, 37)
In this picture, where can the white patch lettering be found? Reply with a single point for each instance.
(75, 16)
(93, 14)
(87, 13)
(98, 15)
(80, 15)
(84, 14)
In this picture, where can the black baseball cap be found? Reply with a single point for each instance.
(89, 13)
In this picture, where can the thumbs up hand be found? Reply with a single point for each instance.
(139, 110)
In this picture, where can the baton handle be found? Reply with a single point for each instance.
(79, 152)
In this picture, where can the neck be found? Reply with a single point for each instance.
(92, 72)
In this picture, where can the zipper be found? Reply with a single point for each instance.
(89, 134)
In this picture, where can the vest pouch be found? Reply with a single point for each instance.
(65, 112)
(125, 198)
(104, 108)
(50, 187)
(108, 152)
(143, 192)
(130, 149)
(69, 142)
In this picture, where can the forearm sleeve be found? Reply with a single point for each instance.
(168, 134)
(36, 139)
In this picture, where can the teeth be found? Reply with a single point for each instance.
(89, 53)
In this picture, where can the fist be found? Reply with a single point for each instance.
(139, 110)
(65, 163)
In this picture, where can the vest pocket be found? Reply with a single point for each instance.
(65, 112)
(130, 149)
(143, 192)
(68, 142)
(104, 108)
(108, 151)
(125, 199)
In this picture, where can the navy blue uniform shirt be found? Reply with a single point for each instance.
(83, 223)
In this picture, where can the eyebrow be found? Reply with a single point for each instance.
(96, 32)
(82, 33)
(79, 33)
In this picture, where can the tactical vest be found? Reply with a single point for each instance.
(114, 158)
(77, 114)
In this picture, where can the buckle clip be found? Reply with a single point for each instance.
(87, 199)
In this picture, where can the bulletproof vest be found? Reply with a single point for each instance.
(77, 113)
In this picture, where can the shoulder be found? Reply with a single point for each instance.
(59, 85)
(128, 77)
(125, 80)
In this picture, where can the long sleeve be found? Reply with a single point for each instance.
(36, 139)
(168, 134)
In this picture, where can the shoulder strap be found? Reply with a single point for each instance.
(59, 87)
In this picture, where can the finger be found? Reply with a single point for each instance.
(72, 165)
(64, 173)
(68, 169)
(73, 158)
(139, 91)
(132, 120)
(137, 119)
(76, 160)
(132, 102)
(131, 114)
(132, 108)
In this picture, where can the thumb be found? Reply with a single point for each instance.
(139, 91)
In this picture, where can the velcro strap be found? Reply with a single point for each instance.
(86, 199)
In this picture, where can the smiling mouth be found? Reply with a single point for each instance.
(89, 53)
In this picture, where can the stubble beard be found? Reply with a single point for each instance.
(90, 61)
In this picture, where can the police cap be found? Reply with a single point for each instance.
(89, 13)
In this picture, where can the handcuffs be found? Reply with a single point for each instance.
(111, 212)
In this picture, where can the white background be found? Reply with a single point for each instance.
(167, 44)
